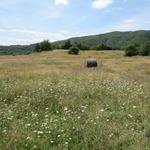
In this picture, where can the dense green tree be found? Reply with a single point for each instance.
(131, 50)
(103, 47)
(37, 47)
(82, 47)
(67, 45)
(43, 46)
(145, 49)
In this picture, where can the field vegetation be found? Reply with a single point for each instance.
(51, 101)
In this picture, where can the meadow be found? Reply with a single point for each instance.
(51, 101)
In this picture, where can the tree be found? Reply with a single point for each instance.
(145, 49)
(131, 50)
(43, 46)
(82, 47)
(67, 45)
(103, 47)
(37, 47)
(73, 50)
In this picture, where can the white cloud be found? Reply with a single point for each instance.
(127, 24)
(61, 2)
(23, 36)
(101, 4)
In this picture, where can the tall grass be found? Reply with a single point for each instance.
(74, 112)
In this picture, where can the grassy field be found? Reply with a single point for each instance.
(51, 101)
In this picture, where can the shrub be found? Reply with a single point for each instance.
(73, 50)
(28, 53)
(131, 50)
(145, 49)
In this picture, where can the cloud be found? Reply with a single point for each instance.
(101, 4)
(127, 24)
(24, 36)
(61, 2)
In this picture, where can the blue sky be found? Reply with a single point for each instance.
(30, 21)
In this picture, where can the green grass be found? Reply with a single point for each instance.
(147, 72)
(73, 109)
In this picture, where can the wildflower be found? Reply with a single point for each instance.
(110, 135)
(102, 110)
(4, 131)
(65, 108)
(34, 131)
(28, 138)
(34, 115)
(66, 143)
(28, 125)
(82, 111)
(46, 116)
(52, 141)
(132, 129)
(40, 132)
(70, 138)
(130, 116)
(78, 117)
(134, 107)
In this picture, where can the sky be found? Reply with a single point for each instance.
(31, 21)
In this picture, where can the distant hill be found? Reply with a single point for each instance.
(16, 49)
(113, 39)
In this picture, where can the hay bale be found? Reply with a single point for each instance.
(91, 62)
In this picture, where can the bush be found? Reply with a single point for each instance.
(28, 53)
(131, 50)
(73, 50)
(145, 49)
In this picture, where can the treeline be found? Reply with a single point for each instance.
(136, 49)
(67, 44)
(47, 46)
(132, 50)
